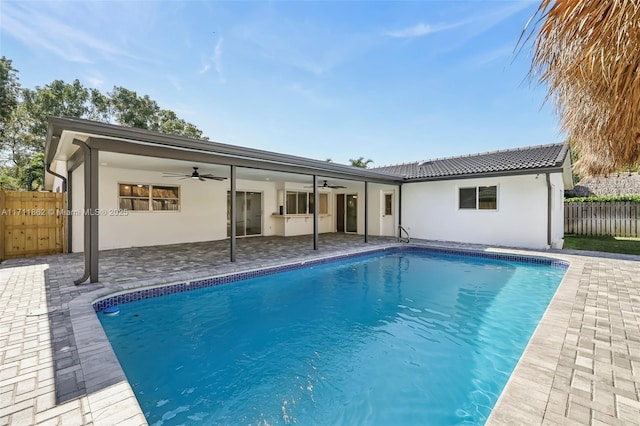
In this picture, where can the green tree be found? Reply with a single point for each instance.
(55, 99)
(24, 114)
(131, 110)
(360, 162)
(32, 176)
(99, 107)
(9, 93)
(167, 121)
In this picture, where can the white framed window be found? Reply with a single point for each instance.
(478, 198)
(143, 197)
(303, 202)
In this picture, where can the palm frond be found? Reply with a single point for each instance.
(587, 52)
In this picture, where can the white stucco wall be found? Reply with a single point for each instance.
(430, 211)
(377, 226)
(557, 209)
(202, 214)
(292, 225)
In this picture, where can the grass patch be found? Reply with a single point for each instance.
(603, 243)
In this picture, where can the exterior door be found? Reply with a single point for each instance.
(248, 213)
(352, 212)
(340, 213)
(253, 213)
(347, 213)
(388, 220)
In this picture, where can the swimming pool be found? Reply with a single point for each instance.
(415, 337)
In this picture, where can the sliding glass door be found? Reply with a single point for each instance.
(248, 213)
(347, 213)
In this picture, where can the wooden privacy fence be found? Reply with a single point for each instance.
(31, 223)
(615, 218)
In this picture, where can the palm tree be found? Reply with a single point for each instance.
(360, 162)
(588, 54)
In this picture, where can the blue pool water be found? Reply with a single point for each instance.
(396, 339)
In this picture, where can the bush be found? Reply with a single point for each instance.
(605, 198)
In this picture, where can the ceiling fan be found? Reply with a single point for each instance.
(193, 175)
(326, 185)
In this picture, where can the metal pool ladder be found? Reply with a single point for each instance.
(407, 238)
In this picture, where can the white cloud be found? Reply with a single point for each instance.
(501, 53)
(39, 29)
(214, 62)
(304, 45)
(175, 82)
(477, 24)
(217, 60)
(312, 96)
(95, 81)
(417, 30)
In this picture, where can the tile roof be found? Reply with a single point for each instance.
(498, 162)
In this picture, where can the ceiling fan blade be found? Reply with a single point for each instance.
(212, 177)
(336, 186)
(201, 178)
(168, 174)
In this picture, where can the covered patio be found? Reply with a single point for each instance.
(130, 187)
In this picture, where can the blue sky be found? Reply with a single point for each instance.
(390, 81)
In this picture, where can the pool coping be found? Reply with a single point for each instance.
(102, 370)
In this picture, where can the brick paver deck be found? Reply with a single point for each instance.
(582, 365)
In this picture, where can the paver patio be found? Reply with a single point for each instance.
(582, 365)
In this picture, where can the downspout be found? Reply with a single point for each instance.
(64, 179)
(549, 194)
(64, 189)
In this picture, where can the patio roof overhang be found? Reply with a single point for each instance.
(72, 141)
(125, 140)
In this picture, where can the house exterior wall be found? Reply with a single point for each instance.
(203, 209)
(377, 217)
(430, 211)
(292, 225)
(376, 207)
(202, 214)
(557, 210)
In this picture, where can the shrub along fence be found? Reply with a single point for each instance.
(615, 218)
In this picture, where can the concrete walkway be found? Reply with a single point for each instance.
(582, 365)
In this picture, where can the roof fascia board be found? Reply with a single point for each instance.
(489, 174)
(174, 153)
(58, 125)
(76, 160)
(51, 146)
